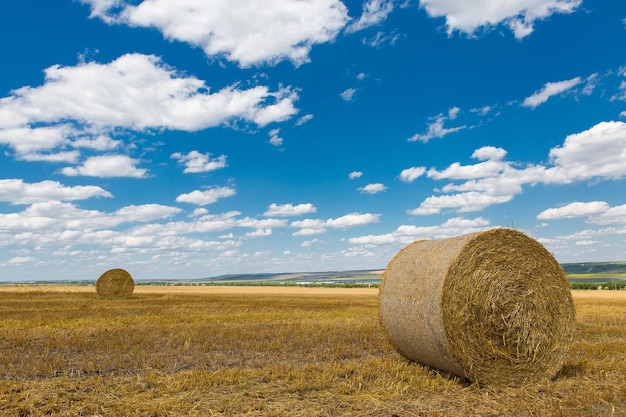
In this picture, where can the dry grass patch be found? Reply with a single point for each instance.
(160, 354)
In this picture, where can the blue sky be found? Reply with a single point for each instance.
(186, 139)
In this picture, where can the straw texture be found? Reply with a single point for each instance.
(115, 284)
(494, 307)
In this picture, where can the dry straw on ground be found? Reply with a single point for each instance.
(115, 284)
(494, 307)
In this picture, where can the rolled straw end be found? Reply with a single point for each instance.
(115, 284)
(494, 307)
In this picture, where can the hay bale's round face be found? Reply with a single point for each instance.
(508, 310)
(115, 284)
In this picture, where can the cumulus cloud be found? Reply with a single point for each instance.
(462, 202)
(595, 153)
(549, 90)
(145, 212)
(492, 166)
(69, 157)
(259, 233)
(596, 212)
(483, 184)
(309, 243)
(238, 30)
(98, 143)
(80, 106)
(208, 196)
(612, 215)
(411, 174)
(373, 188)
(196, 162)
(132, 229)
(317, 226)
(261, 223)
(25, 139)
(576, 209)
(107, 166)
(22, 260)
(352, 220)
(436, 127)
(406, 234)
(519, 15)
(16, 191)
(355, 174)
(309, 227)
(287, 210)
(67, 220)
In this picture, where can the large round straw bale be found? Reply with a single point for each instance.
(115, 284)
(494, 307)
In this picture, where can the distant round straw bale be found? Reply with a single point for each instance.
(115, 284)
(494, 307)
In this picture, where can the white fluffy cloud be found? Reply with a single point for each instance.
(613, 215)
(242, 31)
(355, 174)
(596, 212)
(69, 157)
(78, 106)
(132, 229)
(411, 174)
(309, 227)
(576, 209)
(519, 15)
(352, 220)
(208, 196)
(67, 220)
(598, 152)
(492, 166)
(287, 210)
(16, 191)
(374, 188)
(317, 226)
(107, 166)
(462, 202)
(406, 234)
(196, 162)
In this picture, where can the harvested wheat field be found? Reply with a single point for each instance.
(268, 351)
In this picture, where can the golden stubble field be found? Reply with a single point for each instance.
(267, 351)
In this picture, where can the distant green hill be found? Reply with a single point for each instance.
(328, 276)
(593, 268)
(584, 272)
